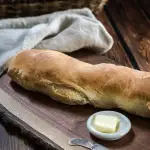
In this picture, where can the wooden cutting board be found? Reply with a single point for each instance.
(55, 123)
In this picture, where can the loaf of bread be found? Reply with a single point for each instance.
(73, 82)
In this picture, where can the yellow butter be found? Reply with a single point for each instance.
(106, 124)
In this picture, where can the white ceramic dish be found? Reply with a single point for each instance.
(124, 126)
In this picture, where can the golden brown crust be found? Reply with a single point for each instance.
(71, 81)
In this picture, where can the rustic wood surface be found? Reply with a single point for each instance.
(11, 139)
(128, 22)
(145, 5)
(133, 27)
(117, 52)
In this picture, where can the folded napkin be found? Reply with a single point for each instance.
(64, 31)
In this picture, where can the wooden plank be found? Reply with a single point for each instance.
(145, 4)
(117, 52)
(11, 140)
(133, 26)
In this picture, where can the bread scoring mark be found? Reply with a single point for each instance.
(68, 95)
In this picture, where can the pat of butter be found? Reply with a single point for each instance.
(106, 124)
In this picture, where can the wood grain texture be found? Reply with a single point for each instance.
(145, 4)
(133, 25)
(117, 52)
(10, 139)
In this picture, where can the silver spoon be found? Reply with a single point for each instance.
(86, 143)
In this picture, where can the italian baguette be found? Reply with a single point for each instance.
(73, 82)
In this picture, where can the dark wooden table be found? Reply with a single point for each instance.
(11, 139)
(128, 22)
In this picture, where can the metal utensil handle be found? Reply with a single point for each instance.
(86, 143)
(80, 142)
(98, 147)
